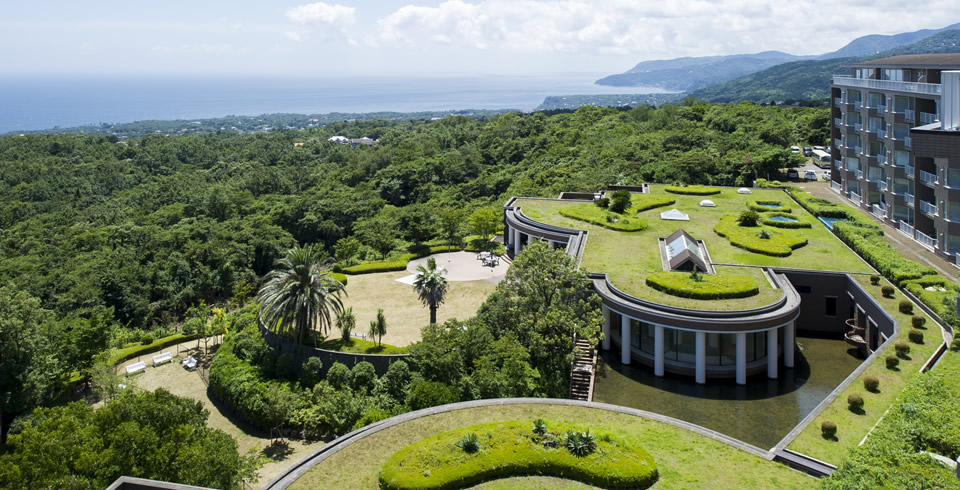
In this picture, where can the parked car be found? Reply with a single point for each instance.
(795, 149)
(793, 174)
(809, 175)
(826, 175)
(807, 151)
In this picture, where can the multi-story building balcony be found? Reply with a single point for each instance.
(879, 210)
(882, 185)
(837, 143)
(855, 197)
(857, 127)
(837, 102)
(882, 159)
(908, 199)
(837, 122)
(925, 239)
(927, 118)
(881, 133)
(836, 186)
(928, 208)
(907, 142)
(906, 229)
(859, 174)
(909, 115)
(927, 178)
(913, 87)
(856, 150)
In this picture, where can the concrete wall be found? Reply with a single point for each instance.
(820, 285)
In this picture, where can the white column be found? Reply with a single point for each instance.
(772, 354)
(516, 242)
(606, 327)
(701, 357)
(741, 358)
(658, 350)
(625, 339)
(789, 341)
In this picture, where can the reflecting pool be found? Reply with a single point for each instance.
(760, 413)
(830, 221)
(784, 219)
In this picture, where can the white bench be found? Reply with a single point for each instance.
(162, 358)
(190, 362)
(136, 367)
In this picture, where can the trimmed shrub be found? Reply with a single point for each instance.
(918, 321)
(510, 450)
(875, 279)
(902, 348)
(603, 202)
(363, 377)
(906, 307)
(828, 429)
(310, 372)
(606, 219)
(748, 218)
(119, 355)
(379, 266)
(643, 202)
(780, 244)
(854, 402)
(692, 190)
(620, 201)
(915, 336)
(871, 383)
(339, 277)
(283, 367)
(887, 291)
(892, 361)
(339, 376)
(765, 206)
(767, 219)
(709, 286)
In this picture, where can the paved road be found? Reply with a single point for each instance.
(907, 247)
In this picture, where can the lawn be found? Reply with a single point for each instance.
(629, 257)
(852, 427)
(684, 459)
(405, 314)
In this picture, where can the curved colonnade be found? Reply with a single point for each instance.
(701, 343)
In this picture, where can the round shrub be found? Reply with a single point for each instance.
(364, 376)
(906, 306)
(310, 372)
(902, 348)
(855, 402)
(283, 366)
(915, 336)
(339, 375)
(871, 383)
(918, 321)
(469, 444)
(603, 202)
(748, 218)
(147, 339)
(887, 291)
(829, 429)
(620, 201)
(875, 279)
(892, 362)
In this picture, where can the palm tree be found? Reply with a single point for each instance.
(300, 295)
(431, 286)
(346, 322)
(378, 327)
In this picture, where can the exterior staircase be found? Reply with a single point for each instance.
(583, 371)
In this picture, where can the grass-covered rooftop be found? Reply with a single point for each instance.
(630, 256)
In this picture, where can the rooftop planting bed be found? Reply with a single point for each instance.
(629, 257)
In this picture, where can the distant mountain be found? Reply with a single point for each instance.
(689, 74)
(868, 45)
(686, 74)
(810, 79)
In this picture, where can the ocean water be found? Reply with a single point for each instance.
(43, 103)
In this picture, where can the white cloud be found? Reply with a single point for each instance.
(293, 36)
(322, 13)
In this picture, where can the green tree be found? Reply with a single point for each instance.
(431, 286)
(299, 295)
(544, 301)
(30, 372)
(378, 327)
(620, 201)
(484, 222)
(379, 233)
(280, 405)
(451, 224)
(346, 250)
(346, 323)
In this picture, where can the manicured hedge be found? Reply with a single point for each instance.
(769, 184)
(380, 266)
(780, 244)
(511, 449)
(595, 215)
(710, 286)
(119, 355)
(757, 206)
(340, 277)
(767, 219)
(643, 202)
(881, 255)
(693, 190)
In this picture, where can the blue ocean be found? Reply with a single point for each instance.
(44, 103)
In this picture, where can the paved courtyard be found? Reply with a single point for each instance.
(463, 266)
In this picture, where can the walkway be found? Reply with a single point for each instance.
(907, 247)
(463, 266)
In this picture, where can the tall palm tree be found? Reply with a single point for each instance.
(431, 286)
(300, 295)
(378, 327)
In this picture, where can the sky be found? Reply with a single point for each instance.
(389, 38)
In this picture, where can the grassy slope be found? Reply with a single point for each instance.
(851, 427)
(684, 459)
(629, 257)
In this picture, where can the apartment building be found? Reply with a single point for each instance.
(895, 145)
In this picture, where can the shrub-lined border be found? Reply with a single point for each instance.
(399, 263)
(710, 286)
(692, 190)
(781, 243)
(511, 449)
(759, 207)
(644, 202)
(580, 212)
(767, 219)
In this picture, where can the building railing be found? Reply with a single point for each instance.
(927, 177)
(855, 197)
(925, 240)
(881, 133)
(928, 208)
(857, 127)
(837, 101)
(906, 229)
(856, 149)
(882, 185)
(838, 143)
(836, 186)
(908, 199)
(878, 107)
(882, 159)
(907, 142)
(859, 174)
(837, 122)
(927, 118)
(909, 115)
(916, 87)
(878, 210)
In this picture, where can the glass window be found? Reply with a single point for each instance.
(853, 163)
(830, 305)
(759, 346)
(647, 338)
(751, 347)
(635, 334)
(902, 158)
(953, 177)
(953, 211)
(670, 344)
(953, 244)
(686, 346)
(728, 349)
(713, 348)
